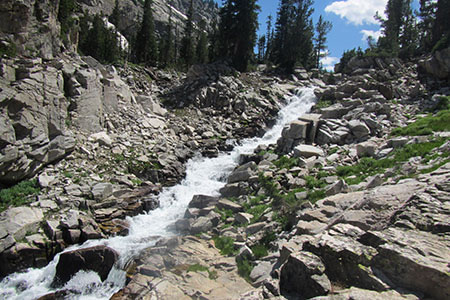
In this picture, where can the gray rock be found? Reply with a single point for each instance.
(303, 276)
(260, 273)
(254, 228)
(20, 221)
(102, 138)
(296, 130)
(202, 224)
(227, 204)
(359, 129)
(366, 149)
(102, 190)
(307, 151)
(243, 218)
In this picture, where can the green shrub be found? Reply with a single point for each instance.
(259, 251)
(285, 162)
(197, 268)
(9, 50)
(245, 267)
(225, 244)
(18, 194)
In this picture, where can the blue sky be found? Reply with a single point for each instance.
(352, 22)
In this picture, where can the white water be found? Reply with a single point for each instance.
(203, 176)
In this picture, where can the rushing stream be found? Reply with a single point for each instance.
(203, 176)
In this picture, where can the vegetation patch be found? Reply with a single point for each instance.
(245, 267)
(19, 194)
(427, 125)
(225, 245)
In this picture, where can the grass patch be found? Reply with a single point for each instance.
(369, 166)
(426, 125)
(285, 162)
(197, 268)
(323, 103)
(225, 245)
(18, 194)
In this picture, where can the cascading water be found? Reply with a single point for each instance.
(203, 176)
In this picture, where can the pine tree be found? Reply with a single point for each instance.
(399, 29)
(427, 15)
(294, 33)
(269, 37)
(261, 48)
(322, 29)
(441, 29)
(187, 54)
(246, 27)
(167, 47)
(145, 46)
(201, 52)
(226, 30)
(114, 18)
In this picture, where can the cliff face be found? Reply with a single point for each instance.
(131, 12)
(30, 27)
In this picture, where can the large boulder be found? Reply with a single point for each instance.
(302, 277)
(438, 65)
(99, 259)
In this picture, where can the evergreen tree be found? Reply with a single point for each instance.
(322, 29)
(167, 47)
(441, 29)
(427, 15)
(66, 9)
(294, 33)
(213, 49)
(399, 29)
(261, 48)
(226, 32)
(246, 27)
(98, 41)
(187, 54)
(114, 18)
(237, 35)
(269, 37)
(201, 52)
(145, 46)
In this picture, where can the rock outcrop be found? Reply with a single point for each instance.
(99, 259)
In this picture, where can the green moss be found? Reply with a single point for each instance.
(19, 194)
(323, 103)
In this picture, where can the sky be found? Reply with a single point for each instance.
(353, 21)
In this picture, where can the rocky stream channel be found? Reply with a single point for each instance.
(219, 185)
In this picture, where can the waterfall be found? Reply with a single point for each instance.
(203, 176)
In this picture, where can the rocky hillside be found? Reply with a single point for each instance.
(351, 203)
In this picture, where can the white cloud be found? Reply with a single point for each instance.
(358, 12)
(375, 34)
(328, 62)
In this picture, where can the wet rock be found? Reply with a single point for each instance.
(202, 201)
(99, 259)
